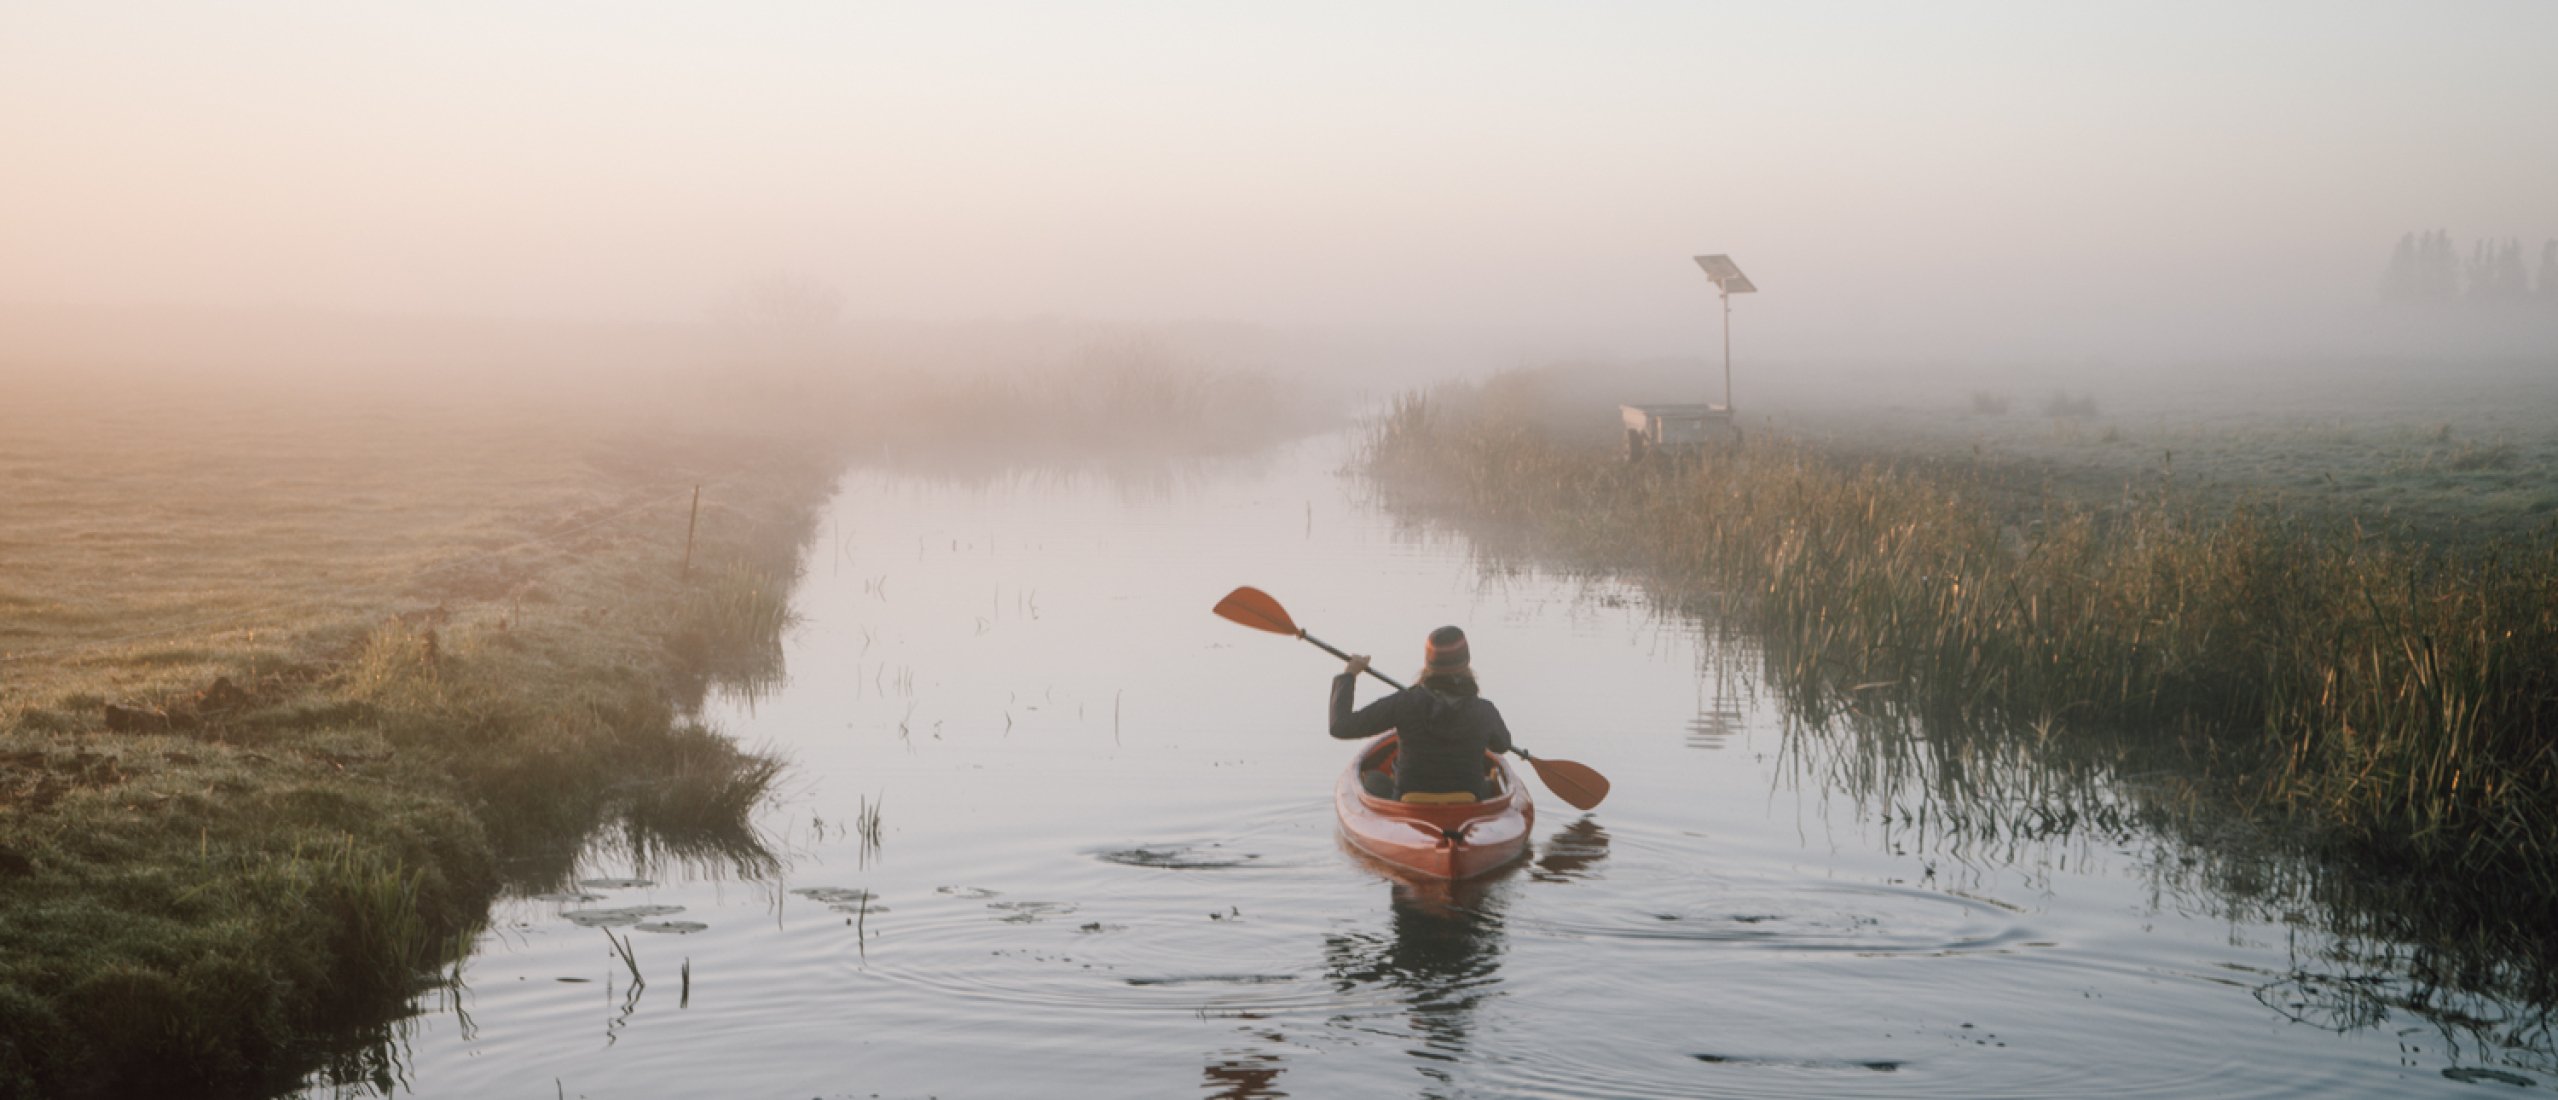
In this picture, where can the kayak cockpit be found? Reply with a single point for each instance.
(1434, 839)
(1376, 768)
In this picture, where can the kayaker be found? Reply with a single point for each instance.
(1446, 723)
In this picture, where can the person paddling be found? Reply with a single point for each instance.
(1446, 724)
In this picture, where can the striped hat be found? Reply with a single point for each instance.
(1446, 650)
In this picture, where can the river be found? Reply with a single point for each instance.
(1052, 829)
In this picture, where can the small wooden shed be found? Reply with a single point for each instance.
(1669, 429)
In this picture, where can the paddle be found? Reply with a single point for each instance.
(1575, 783)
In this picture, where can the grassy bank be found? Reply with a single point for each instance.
(292, 675)
(300, 665)
(2392, 695)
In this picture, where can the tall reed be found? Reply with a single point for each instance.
(2401, 697)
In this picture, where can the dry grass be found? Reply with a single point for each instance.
(285, 671)
(2396, 694)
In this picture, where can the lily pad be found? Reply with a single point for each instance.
(967, 891)
(1179, 858)
(676, 927)
(600, 918)
(566, 897)
(834, 893)
(607, 918)
(858, 907)
(2481, 1074)
(1025, 912)
(615, 883)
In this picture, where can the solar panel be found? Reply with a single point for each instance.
(1726, 274)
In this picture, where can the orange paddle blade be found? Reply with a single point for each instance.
(1578, 784)
(1254, 608)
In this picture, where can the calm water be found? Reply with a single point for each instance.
(1105, 862)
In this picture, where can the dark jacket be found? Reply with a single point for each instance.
(1444, 737)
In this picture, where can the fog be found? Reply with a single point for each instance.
(1422, 187)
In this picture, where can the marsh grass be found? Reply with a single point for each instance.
(2395, 696)
(283, 684)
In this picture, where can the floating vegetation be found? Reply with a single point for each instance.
(566, 897)
(967, 891)
(1178, 858)
(1877, 1065)
(1213, 979)
(1028, 912)
(675, 927)
(616, 883)
(603, 918)
(2479, 1074)
(834, 894)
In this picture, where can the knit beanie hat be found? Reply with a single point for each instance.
(1446, 650)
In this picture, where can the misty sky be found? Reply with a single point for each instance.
(1957, 178)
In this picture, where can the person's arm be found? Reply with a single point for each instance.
(1499, 741)
(1375, 718)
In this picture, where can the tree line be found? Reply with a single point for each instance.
(2427, 267)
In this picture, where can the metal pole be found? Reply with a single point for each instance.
(690, 526)
(1727, 352)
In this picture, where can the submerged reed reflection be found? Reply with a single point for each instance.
(2367, 951)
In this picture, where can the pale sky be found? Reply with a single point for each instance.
(1950, 179)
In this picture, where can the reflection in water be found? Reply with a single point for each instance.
(1572, 852)
(2367, 952)
(373, 1061)
(1439, 956)
(1244, 1077)
(1441, 953)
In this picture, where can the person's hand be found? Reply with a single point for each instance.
(1358, 664)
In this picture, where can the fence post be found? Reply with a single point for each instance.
(690, 526)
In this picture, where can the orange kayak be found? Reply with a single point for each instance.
(1440, 841)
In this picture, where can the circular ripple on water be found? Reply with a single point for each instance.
(1050, 953)
(1796, 916)
(1567, 1069)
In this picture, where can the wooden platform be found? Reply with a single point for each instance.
(1671, 428)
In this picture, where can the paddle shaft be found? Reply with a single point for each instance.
(1578, 784)
(1327, 647)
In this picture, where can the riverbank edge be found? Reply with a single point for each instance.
(226, 893)
(2386, 698)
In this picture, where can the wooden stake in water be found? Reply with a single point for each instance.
(690, 526)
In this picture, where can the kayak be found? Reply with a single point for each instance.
(1434, 840)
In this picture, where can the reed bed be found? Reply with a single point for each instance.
(2398, 697)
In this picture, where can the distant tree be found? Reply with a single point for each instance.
(2511, 282)
(2441, 267)
(2478, 273)
(2428, 267)
(2401, 282)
